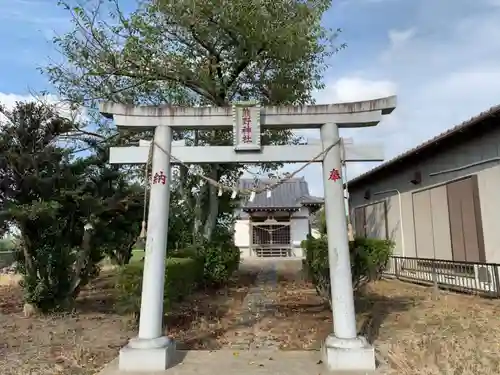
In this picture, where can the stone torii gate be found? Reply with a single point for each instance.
(343, 349)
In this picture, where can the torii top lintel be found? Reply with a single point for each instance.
(345, 115)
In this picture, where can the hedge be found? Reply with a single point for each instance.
(219, 260)
(369, 258)
(182, 277)
(219, 263)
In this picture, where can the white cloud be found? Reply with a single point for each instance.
(443, 74)
(349, 89)
(62, 107)
(9, 101)
(398, 40)
(446, 74)
(400, 37)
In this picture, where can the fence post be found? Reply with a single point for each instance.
(434, 279)
(497, 280)
(396, 268)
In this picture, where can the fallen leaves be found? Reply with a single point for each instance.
(413, 333)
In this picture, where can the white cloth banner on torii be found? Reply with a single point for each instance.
(343, 350)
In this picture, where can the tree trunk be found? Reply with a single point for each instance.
(213, 206)
(82, 261)
(198, 214)
(123, 256)
(186, 197)
(28, 262)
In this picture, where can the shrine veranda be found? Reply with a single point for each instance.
(343, 350)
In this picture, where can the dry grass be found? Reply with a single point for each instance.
(82, 342)
(76, 343)
(413, 333)
(418, 334)
(298, 319)
(205, 320)
(9, 279)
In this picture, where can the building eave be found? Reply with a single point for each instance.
(269, 209)
(468, 126)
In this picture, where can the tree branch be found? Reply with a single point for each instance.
(242, 65)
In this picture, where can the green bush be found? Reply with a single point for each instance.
(218, 259)
(192, 252)
(369, 258)
(181, 279)
(219, 262)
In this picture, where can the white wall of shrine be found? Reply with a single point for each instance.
(299, 229)
(242, 236)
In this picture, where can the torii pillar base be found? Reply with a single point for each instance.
(348, 355)
(147, 355)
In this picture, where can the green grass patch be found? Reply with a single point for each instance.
(137, 256)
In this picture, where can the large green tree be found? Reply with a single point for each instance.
(50, 193)
(43, 195)
(194, 52)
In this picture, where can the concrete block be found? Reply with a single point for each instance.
(147, 359)
(341, 356)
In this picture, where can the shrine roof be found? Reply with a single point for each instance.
(292, 194)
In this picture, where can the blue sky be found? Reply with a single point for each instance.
(441, 57)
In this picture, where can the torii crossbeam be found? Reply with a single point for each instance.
(343, 350)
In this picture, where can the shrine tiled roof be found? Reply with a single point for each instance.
(291, 194)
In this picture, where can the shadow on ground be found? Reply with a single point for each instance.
(206, 319)
(201, 320)
(99, 296)
(290, 319)
(297, 319)
(216, 318)
(79, 343)
(372, 310)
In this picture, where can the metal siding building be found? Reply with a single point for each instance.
(449, 202)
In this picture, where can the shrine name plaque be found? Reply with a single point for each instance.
(246, 126)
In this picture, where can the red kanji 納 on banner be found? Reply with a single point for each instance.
(159, 178)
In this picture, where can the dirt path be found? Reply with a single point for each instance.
(266, 306)
(262, 308)
(269, 314)
(257, 305)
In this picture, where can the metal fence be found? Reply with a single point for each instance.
(466, 277)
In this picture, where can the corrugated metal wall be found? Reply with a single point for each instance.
(445, 221)
(466, 237)
(371, 220)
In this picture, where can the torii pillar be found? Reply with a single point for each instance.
(343, 350)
